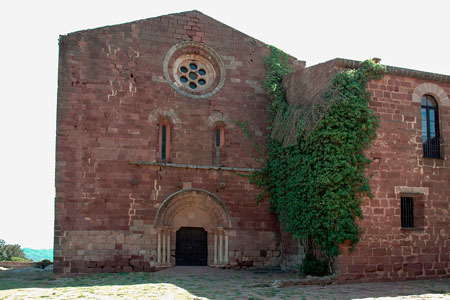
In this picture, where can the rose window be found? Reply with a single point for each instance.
(193, 73)
(194, 70)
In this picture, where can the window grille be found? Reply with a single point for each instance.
(407, 212)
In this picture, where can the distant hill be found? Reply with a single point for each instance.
(38, 254)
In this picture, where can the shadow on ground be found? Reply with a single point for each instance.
(202, 283)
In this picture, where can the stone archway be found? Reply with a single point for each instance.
(193, 208)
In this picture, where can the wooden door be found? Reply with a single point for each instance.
(191, 247)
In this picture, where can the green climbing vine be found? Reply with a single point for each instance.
(315, 185)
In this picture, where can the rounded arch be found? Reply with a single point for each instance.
(430, 89)
(190, 201)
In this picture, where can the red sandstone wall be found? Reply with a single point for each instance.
(305, 85)
(111, 94)
(386, 251)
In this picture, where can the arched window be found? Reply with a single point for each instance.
(219, 141)
(430, 127)
(219, 132)
(164, 140)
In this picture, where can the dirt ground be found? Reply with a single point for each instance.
(199, 283)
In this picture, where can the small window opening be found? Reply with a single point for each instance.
(193, 66)
(193, 76)
(163, 142)
(407, 212)
(217, 137)
(412, 211)
(219, 141)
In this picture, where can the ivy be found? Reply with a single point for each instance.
(316, 184)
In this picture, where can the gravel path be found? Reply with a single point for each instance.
(199, 283)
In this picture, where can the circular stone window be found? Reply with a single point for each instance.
(194, 70)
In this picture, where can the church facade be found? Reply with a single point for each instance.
(151, 156)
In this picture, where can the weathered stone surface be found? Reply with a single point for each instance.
(387, 251)
(113, 96)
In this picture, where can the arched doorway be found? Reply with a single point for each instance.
(193, 228)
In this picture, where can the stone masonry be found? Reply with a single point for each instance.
(150, 140)
(387, 251)
(110, 179)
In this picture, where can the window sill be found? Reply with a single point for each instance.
(164, 161)
(440, 158)
(413, 229)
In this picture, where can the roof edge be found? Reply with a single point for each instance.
(130, 22)
(352, 64)
(302, 63)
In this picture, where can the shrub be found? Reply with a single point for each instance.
(8, 252)
(46, 261)
(20, 259)
(313, 266)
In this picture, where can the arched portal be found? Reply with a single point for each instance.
(192, 208)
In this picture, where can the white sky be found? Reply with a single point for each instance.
(410, 34)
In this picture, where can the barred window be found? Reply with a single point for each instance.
(407, 211)
(412, 211)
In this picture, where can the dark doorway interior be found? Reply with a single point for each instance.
(191, 247)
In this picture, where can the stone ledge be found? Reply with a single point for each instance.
(191, 166)
(19, 264)
(352, 64)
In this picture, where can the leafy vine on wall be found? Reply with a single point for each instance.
(316, 184)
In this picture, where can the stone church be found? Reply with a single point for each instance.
(151, 156)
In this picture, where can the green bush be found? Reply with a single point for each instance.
(314, 267)
(46, 261)
(8, 252)
(20, 259)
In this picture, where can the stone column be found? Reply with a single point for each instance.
(163, 247)
(225, 259)
(215, 247)
(220, 247)
(159, 247)
(168, 249)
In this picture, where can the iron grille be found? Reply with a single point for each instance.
(407, 212)
(431, 148)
